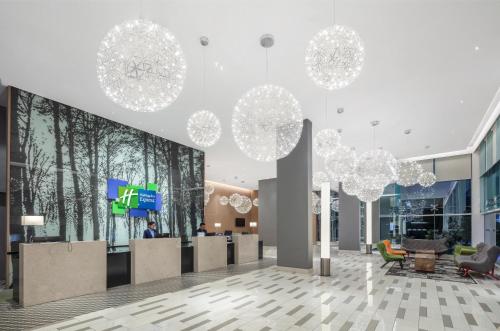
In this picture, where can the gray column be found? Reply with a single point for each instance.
(477, 220)
(268, 223)
(349, 221)
(294, 204)
(376, 222)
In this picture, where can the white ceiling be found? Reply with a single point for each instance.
(420, 63)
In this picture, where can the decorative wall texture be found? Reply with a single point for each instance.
(61, 158)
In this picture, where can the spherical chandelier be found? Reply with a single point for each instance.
(376, 168)
(319, 177)
(245, 206)
(223, 200)
(209, 188)
(334, 57)
(370, 194)
(204, 128)
(351, 184)
(408, 173)
(141, 66)
(314, 198)
(326, 142)
(341, 163)
(235, 200)
(335, 205)
(267, 123)
(427, 179)
(206, 198)
(256, 202)
(316, 208)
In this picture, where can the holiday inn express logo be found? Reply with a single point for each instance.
(135, 199)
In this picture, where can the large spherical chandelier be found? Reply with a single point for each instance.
(325, 142)
(427, 179)
(141, 66)
(206, 198)
(370, 194)
(245, 206)
(209, 188)
(204, 128)
(408, 173)
(341, 163)
(376, 168)
(235, 200)
(267, 123)
(335, 57)
(351, 184)
(256, 202)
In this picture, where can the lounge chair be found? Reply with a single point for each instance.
(388, 248)
(482, 262)
(389, 257)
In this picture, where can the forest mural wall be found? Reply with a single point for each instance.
(61, 158)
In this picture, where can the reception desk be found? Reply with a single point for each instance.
(155, 259)
(209, 253)
(246, 248)
(55, 271)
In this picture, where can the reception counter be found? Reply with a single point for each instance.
(54, 271)
(209, 253)
(246, 248)
(155, 259)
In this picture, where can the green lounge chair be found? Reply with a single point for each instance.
(389, 257)
(464, 250)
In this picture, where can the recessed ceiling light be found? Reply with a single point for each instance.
(339, 130)
(340, 110)
(235, 177)
(242, 181)
(218, 66)
(375, 123)
(208, 165)
(476, 48)
(461, 102)
(407, 131)
(427, 146)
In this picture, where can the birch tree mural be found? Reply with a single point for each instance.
(61, 158)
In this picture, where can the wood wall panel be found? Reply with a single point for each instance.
(226, 215)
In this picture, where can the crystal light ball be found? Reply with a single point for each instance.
(245, 206)
(206, 198)
(141, 66)
(209, 188)
(370, 194)
(335, 57)
(256, 202)
(314, 197)
(408, 173)
(341, 163)
(223, 200)
(376, 168)
(204, 128)
(325, 142)
(267, 123)
(427, 179)
(335, 205)
(319, 177)
(351, 184)
(235, 200)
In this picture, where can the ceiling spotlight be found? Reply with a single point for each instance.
(461, 102)
(340, 110)
(339, 131)
(374, 123)
(427, 146)
(476, 48)
(407, 131)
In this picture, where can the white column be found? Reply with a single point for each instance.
(325, 220)
(369, 223)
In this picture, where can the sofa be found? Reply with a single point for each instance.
(482, 262)
(413, 245)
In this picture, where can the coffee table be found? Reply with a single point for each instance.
(425, 261)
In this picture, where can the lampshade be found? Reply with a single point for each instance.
(253, 224)
(31, 220)
(217, 225)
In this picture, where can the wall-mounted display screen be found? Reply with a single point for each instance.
(239, 223)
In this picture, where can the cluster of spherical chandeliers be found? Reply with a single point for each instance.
(241, 203)
(141, 66)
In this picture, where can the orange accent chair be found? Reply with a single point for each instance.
(391, 251)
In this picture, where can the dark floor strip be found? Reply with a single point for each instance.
(220, 299)
(152, 302)
(198, 294)
(194, 316)
(166, 318)
(240, 298)
(470, 319)
(272, 311)
(276, 290)
(447, 323)
(219, 293)
(244, 304)
(304, 319)
(145, 310)
(330, 317)
(372, 326)
(194, 326)
(172, 308)
(347, 325)
(300, 295)
(80, 322)
(223, 324)
(294, 310)
(266, 303)
(113, 328)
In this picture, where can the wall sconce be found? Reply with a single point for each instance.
(217, 225)
(253, 224)
(30, 221)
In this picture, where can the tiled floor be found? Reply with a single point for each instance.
(358, 296)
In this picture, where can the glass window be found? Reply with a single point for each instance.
(489, 150)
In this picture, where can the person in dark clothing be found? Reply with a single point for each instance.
(150, 232)
(202, 228)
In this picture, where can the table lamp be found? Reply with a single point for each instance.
(30, 221)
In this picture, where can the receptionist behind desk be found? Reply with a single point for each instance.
(150, 232)
(201, 229)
